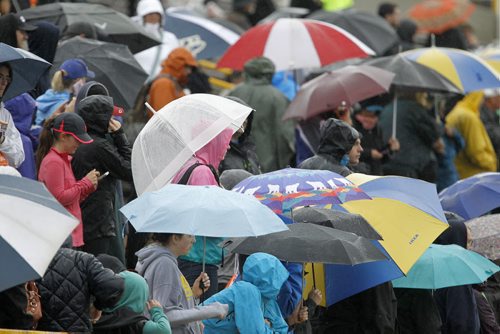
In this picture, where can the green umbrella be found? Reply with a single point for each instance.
(443, 266)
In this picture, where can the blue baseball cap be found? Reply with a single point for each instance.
(76, 68)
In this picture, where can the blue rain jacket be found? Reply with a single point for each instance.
(48, 103)
(252, 299)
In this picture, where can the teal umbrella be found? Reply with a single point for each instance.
(443, 266)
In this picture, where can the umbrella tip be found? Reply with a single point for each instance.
(150, 108)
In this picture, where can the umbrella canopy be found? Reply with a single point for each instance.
(405, 211)
(176, 132)
(443, 266)
(293, 44)
(117, 27)
(464, 69)
(369, 28)
(113, 65)
(437, 16)
(485, 235)
(287, 188)
(340, 220)
(26, 69)
(492, 57)
(33, 225)
(204, 38)
(350, 84)
(472, 196)
(201, 210)
(308, 242)
(413, 76)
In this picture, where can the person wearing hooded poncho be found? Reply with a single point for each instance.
(126, 316)
(340, 145)
(252, 300)
(274, 138)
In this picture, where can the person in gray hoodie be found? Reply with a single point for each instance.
(157, 263)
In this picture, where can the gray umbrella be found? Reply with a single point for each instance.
(369, 28)
(117, 27)
(113, 64)
(310, 243)
(344, 221)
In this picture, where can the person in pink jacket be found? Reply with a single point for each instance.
(202, 170)
(59, 139)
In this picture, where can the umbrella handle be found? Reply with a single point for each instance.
(314, 276)
(150, 108)
(395, 115)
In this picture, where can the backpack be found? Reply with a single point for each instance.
(185, 178)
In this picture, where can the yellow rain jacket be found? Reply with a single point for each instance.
(478, 156)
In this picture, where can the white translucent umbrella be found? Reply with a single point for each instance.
(176, 132)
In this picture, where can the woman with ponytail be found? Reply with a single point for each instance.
(65, 84)
(60, 137)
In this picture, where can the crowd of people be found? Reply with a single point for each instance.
(69, 134)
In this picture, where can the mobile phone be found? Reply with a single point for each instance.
(103, 176)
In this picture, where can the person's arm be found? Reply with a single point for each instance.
(104, 285)
(12, 146)
(248, 313)
(178, 316)
(54, 180)
(159, 323)
(115, 159)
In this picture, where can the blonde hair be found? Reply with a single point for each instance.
(58, 82)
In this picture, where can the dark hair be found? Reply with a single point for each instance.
(47, 137)
(10, 75)
(386, 8)
(163, 238)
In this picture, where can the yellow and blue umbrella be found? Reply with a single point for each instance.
(492, 57)
(464, 69)
(443, 266)
(407, 214)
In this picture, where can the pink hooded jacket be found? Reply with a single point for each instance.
(211, 154)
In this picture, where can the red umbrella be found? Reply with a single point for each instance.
(436, 16)
(350, 84)
(295, 43)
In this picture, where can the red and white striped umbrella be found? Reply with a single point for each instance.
(295, 43)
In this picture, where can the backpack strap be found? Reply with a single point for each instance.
(185, 178)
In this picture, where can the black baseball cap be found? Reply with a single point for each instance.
(21, 24)
(72, 124)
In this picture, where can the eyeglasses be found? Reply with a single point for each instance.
(6, 79)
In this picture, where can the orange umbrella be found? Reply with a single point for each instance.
(436, 16)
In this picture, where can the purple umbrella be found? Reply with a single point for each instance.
(351, 84)
(287, 188)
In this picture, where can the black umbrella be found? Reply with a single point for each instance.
(310, 243)
(412, 76)
(118, 27)
(348, 222)
(369, 28)
(113, 64)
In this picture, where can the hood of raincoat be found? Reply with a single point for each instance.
(456, 233)
(337, 138)
(265, 272)
(406, 30)
(22, 108)
(135, 293)
(215, 150)
(90, 88)
(175, 62)
(259, 70)
(471, 102)
(96, 111)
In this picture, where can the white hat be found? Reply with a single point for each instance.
(145, 7)
(492, 92)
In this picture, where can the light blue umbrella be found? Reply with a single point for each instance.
(201, 210)
(443, 266)
(26, 69)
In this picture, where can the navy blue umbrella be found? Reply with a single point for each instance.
(26, 69)
(206, 39)
(33, 225)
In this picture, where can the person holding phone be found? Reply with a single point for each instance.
(60, 137)
(110, 152)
